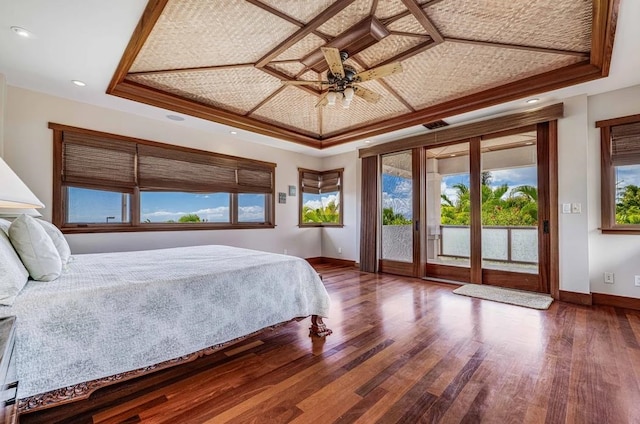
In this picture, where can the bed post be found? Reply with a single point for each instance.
(318, 327)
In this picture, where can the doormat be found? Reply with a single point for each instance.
(510, 296)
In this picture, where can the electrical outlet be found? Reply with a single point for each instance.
(576, 208)
(566, 208)
(340, 250)
(608, 277)
(285, 251)
(637, 280)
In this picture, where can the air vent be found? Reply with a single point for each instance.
(435, 124)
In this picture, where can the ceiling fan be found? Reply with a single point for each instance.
(342, 79)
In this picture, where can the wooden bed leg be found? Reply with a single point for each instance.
(318, 328)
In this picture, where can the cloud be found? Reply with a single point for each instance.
(251, 213)
(403, 187)
(218, 214)
(514, 177)
(323, 201)
(401, 205)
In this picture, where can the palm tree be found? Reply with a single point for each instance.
(330, 213)
(389, 217)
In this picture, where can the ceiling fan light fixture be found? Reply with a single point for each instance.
(331, 98)
(345, 102)
(348, 94)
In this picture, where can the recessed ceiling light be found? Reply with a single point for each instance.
(532, 101)
(368, 141)
(79, 83)
(233, 132)
(529, 143)
(175, 117)
(452, 155)
(22, 32)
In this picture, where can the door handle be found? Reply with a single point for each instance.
(545, 227)
(417, 225)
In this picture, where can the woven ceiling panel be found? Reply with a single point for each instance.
(291, 68)
(310, 76)
(349, 16)
(292, 107)
(335, 118)
(300, 10)
(407, 24)
(389, 8)
(195, 33)
(302, 48)
(237, 90)
(542, 23)
(452, 70)
(388, 48)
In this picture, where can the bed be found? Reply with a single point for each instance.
(115, 316)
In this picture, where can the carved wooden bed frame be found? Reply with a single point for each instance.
(83, 390)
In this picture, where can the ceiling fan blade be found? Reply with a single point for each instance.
(301, 82)
(379, 72)
(323, 100)
(332, 56)
(368, 95)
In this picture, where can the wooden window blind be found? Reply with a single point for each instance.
(625, 144)
(96, 161)
(100, 161)
(321, 182)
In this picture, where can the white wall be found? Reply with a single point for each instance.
(619, 254)
(347, 237)
(573, 145)
(28, 150)
(3, 110)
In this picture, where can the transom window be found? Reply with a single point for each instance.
(320, 197)
(114, 183)
(620, 148)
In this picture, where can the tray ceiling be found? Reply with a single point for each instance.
(225, 60)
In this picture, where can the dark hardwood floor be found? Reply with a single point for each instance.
(403, 350)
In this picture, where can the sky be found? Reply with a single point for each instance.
(95, 206)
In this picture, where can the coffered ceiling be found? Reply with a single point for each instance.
(226, 61)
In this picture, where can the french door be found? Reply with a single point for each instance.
(477, 210)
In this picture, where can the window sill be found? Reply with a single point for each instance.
(627, 231)
(160, 227)
(320, 225)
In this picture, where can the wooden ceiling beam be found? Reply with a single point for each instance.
(518, 47)
(287, 18)
(401, 15)
(284, 77)
(409, 34)
(316, 22)
(420, 15)
(409, 53)
(197, 69)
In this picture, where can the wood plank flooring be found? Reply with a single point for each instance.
(403, 351)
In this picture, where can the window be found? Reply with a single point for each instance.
(620, 141)
(320, 197)
(113, 183)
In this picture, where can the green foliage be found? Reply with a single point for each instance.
(520, 208)
(389, 217)
(628, 206)
(328, 214)
(192, 217)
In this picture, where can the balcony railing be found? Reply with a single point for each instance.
(499, 243)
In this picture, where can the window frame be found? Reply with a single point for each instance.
(60, 200)
(607, 178)
(301, 191)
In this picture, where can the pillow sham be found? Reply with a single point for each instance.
(4, 225)
(13, 274)
(36, 249)
(58, 240)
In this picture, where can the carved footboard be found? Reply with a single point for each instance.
(84, 390)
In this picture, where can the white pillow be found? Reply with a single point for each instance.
(4, 225)
(36, 249)
(58, 240)
(13, 275)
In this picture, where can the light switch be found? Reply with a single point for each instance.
(576, 208)
(566, 208)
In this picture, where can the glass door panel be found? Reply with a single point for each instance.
(397, 207)
(448, 206)
(509, 187)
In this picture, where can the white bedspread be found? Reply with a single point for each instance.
(116, 312)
